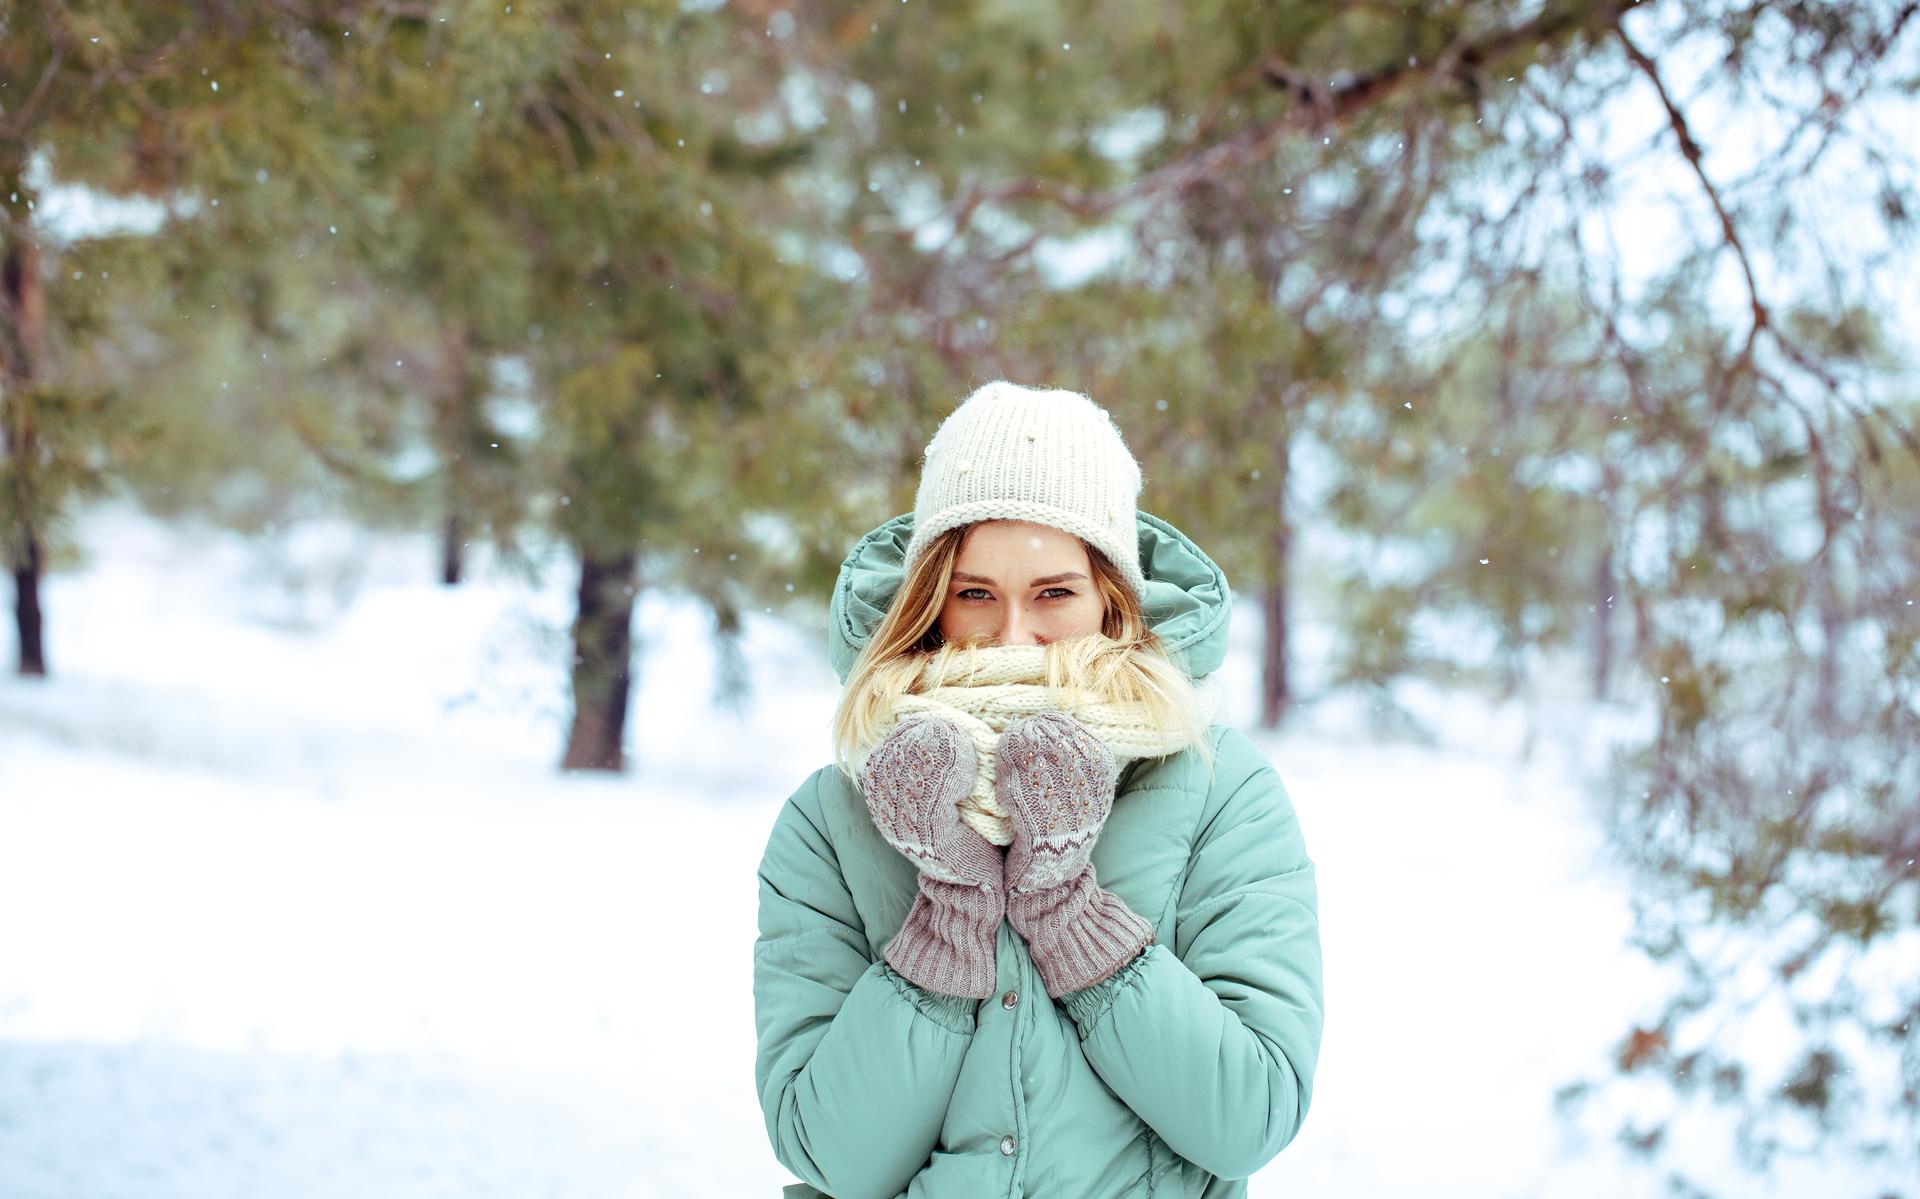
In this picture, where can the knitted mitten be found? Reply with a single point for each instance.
(1056, 780)
(913, 783)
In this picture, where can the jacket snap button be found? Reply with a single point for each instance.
(1009, 999)
(1007, 1144)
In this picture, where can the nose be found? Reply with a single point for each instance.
(1018, 630)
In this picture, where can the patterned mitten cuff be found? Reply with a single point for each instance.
(947, 942)
(1079, 933)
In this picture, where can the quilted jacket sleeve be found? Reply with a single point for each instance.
(855, 1065)
(1213, 1042)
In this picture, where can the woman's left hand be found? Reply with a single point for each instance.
(1056, 779)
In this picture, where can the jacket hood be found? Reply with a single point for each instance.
(1187, 601)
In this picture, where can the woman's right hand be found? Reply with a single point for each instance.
(913, 782)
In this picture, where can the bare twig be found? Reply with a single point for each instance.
(1690, 150)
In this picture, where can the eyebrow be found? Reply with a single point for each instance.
(961, 576)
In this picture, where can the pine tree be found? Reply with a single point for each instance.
(133, 101)
(642, 290)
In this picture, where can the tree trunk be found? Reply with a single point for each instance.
(1276, 692)
(602, 651)
(26, 608)
(1275, 695)
(20, 311)
(454, 413)
(453, 540)
(1603, 625)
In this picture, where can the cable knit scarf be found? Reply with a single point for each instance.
(998, 686)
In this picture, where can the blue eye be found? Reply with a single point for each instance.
(1065, 593)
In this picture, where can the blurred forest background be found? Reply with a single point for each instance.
(1587, 327)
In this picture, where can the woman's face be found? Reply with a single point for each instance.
(1019, 583)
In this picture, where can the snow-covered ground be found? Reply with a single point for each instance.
(294, 903)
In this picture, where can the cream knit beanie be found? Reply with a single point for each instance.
(1048, 456)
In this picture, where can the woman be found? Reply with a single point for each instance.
(1044, 930)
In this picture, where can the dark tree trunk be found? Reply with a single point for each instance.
(1276, 692)
(453, 536)
(20, 304)
(26, 608)
(602, 651)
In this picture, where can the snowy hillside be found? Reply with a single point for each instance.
(293, 903)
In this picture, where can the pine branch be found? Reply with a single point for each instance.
(1318, 107)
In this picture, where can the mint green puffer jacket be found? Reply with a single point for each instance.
(1179, 1076)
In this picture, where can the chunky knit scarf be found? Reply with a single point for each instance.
(999, 685)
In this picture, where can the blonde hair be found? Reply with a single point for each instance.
(1124, 663)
